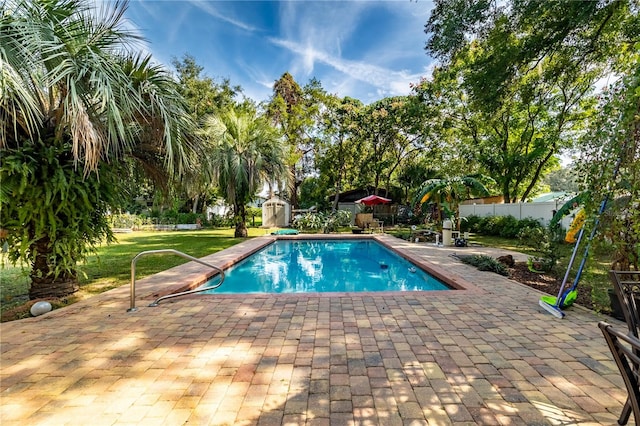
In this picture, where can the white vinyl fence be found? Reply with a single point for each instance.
(543, 212)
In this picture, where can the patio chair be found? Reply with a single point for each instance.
(376, 226)
(625, 349)
(627, 287)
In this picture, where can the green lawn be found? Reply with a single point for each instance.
(111, 267)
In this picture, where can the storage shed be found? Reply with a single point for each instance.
(276, 213)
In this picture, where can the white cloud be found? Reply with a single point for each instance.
(212, 11)
(388, 81)
(343, 36)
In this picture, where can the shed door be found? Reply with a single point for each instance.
(278, 215)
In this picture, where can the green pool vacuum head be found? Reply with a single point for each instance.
(568, 300)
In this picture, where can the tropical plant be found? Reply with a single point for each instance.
(53, 214)
(204, 96)
(447, 194)
(328, 222)
(245, 152)
(309, 220)
(334, 220)
(72, 95)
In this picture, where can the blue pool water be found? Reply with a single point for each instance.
(316, 266)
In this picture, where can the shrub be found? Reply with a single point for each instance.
(311, 221)
(528, 222)
(541, 239)
(498, 226)
(489, 225)
(187, 217)
(219, 221)
(335, 220)
(484, 263)
(470, 224)
(128, 220)
(508, 226)
(328, 222)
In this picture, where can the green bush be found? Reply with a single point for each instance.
(328, 222)
(188, 217)
(484, 263)
(508, 226)
(127, 220)
(470, 224)
(545, 243)
(312, 221)
(490, 225)
(219, 221)
(498, 226)
(529, 222)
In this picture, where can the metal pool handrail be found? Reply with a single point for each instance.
(167, 251)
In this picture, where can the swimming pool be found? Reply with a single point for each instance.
(318, 266)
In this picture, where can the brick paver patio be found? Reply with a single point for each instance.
(489, 356)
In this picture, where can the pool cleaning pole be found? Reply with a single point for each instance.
(557, 309)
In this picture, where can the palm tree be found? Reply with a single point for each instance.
(75, 99)
(245, 153)
(447, 193)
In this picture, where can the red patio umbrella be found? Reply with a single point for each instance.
(373, 200)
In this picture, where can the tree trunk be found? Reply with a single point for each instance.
(334, 203)
(195, 203)
(293, 194)
(241, 218)
(241, 230)
(47, 287)
(43, 283)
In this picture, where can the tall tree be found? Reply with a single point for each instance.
(73, 97)
(294, 110)
(383, 145)
(563, 179)
(524, 68)
(246, 151)
(517, 139)
(336, 153)
(204, 96)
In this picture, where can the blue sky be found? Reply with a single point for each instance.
(364, 49)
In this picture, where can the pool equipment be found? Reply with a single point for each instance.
(460, 242)
(554, 305)
(447, 232)
(285, 232)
